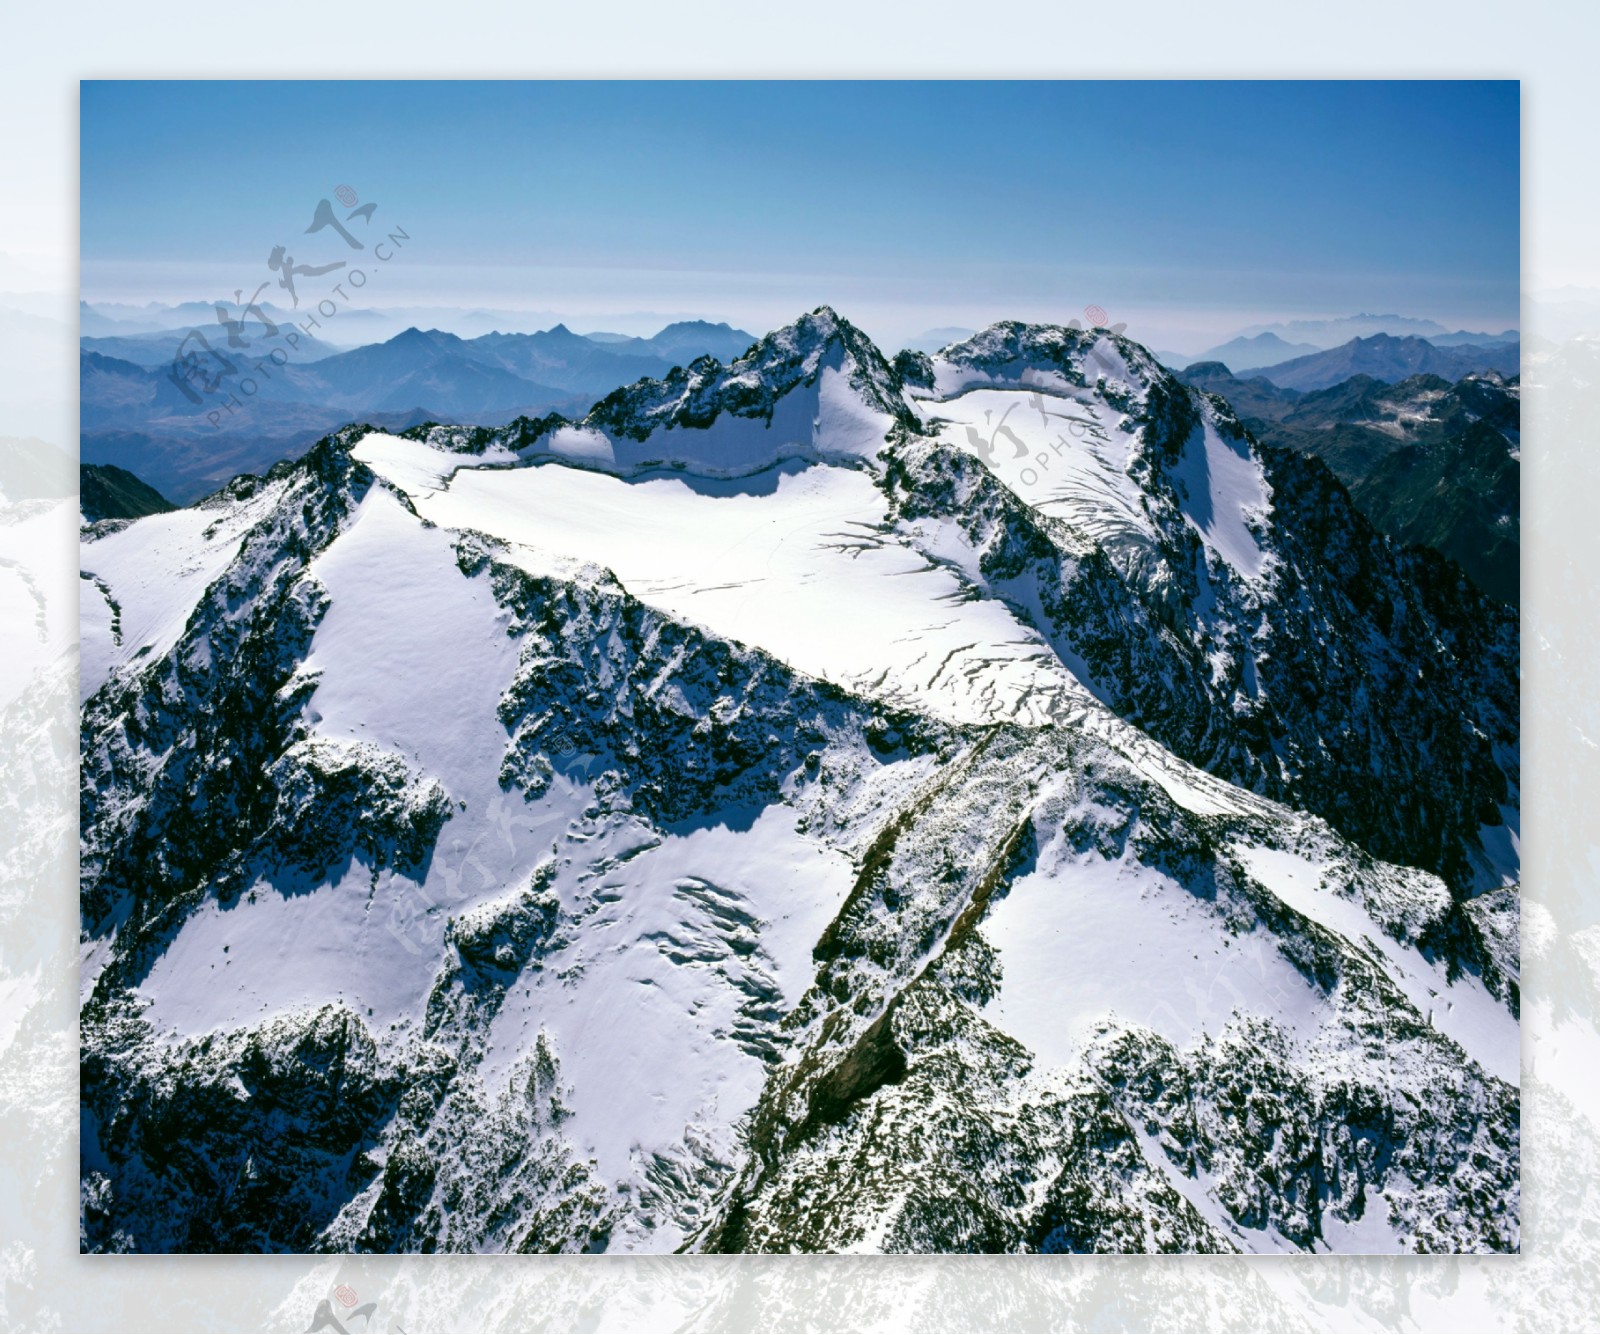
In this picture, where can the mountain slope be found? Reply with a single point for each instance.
(756, 816)
(108, 492)
(1253, 397)
(1427, 461)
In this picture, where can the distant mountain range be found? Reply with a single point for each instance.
(1386, 357)
(1246, 352)
(1330, 332)
(156, 349)
(354, 326)
(139, 413)
(1273, 344)
(1463, 337)
(120, 319)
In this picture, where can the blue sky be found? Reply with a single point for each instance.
(1187, 209)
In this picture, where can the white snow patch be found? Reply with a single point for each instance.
(1464, 1010)
(1371, 1235)
(1225, 488)
(1063, 454)
(845, 425)
(643, 1003)
(796, 561)
(276, 952)
(1083, 939)
(416, 467)
(411, 657)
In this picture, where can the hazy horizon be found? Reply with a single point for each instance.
(1186, 211)
(469, 322)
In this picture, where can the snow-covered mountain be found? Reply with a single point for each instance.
(979, 801)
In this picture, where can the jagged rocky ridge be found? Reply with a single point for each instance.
(752, 387)
(823, 887)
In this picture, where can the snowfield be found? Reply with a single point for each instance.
(1460, 1008)
(793, 560)
(1068, 455)
(1083, 939)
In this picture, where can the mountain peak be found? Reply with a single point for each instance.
(415, 337)
(816, 328)
(750, 400)
(1016, 352)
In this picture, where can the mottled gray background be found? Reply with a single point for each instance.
(1555, 1284)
